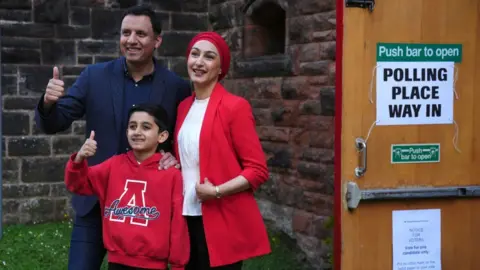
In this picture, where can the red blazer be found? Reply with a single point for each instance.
(229, 147)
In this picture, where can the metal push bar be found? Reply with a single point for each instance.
(354, 194)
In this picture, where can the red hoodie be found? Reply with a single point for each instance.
(143, 224)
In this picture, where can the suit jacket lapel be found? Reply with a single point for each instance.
(117, 88)
(207, 128)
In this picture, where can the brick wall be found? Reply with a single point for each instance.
(292, 94)
(37, 35)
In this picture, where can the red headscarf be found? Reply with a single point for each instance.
(221, 46)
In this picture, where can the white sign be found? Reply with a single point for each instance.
(416, 240)
(415, 93)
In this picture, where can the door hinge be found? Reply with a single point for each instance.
(370, 4)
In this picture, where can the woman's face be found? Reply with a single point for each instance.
(203, 63)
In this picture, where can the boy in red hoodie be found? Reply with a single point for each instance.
(143, 226)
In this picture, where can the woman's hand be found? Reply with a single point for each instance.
(205, 191)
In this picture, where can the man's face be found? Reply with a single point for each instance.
(137, 39)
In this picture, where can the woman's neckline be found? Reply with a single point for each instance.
(202, 100)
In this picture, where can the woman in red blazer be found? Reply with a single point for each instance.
(222, 161)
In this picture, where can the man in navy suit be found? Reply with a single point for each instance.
(103, 94)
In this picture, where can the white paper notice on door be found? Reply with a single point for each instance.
(416, 239)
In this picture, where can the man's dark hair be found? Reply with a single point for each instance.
(158, 113)
(143, 10)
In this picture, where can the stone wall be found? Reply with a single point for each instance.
(283, 63)
(292, 92)
(38, 34)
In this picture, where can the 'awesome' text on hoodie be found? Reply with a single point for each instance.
(143, 224)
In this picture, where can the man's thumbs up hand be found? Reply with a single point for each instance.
(56, 73)
(88, 149)
(54, 89)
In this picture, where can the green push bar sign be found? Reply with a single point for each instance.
(415, 153)
(416, 52)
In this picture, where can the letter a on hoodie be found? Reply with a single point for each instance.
(131, 206)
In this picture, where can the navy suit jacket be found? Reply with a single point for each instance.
(97, 95)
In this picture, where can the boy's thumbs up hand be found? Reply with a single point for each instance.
(88, 148)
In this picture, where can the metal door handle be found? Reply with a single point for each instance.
(354, 194)
(361, 146)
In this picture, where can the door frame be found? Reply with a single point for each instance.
(338, 200)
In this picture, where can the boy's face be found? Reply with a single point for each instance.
(143, 134)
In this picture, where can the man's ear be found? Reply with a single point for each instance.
(158, 41)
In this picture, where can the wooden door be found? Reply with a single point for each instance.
(363, 236)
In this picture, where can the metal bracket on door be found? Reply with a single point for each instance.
(370, 4)
(355, 194)
(361, 146)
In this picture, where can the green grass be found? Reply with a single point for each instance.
(45, 247)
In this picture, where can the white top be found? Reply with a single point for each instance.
(188, 145)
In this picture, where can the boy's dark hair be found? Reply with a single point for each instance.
(158, 113)
(143, 10)
(160, 117)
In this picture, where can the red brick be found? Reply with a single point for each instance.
(311, 107)
(295, 88)
(314, 81)
(320, 155)
(317, 139)
(268, 88)
(327, 50)
(289, 195)
(291, 180)
(243, 87)
(265, 103)
(312, 170)
(322, 67)
(321, 139)
(302, 7)
(314, 122)
(322, 227)
(303, 87)
(302, 221)
(332, 71)
(263, 117)
(321, 187)
(326, 35)
(268, 190)
(322, 123)
(317, 203)
(300, 136)
(306, 52)
(231, 85)
(276, 134)
(287, 114)
(305, 29)
(316, 51)
(266, 146)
